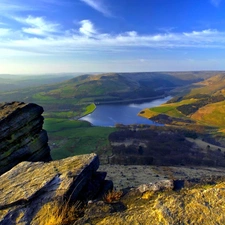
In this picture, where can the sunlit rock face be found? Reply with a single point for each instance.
(30, 190)
(21, 135)
(198, 205)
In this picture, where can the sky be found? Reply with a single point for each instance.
(54, 36)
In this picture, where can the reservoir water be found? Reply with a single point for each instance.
(109, 115)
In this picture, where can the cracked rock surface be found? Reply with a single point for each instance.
(29, 186)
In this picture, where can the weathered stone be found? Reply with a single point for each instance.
(21, 135)
(26, 188)
(199, 205)
(99, 210)
(157, 186)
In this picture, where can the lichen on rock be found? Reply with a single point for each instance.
(27, 188)
(21, 135)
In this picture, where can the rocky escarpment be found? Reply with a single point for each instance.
(30, 190)
(21, 135)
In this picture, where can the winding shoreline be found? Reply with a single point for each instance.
(137, 100)
(124, 113)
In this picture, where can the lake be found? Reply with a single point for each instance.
(109, 115)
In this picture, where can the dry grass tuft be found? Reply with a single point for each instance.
(112, 196)
(62, 213)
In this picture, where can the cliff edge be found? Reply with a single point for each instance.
(21, 135)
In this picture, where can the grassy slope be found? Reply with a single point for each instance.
(74, 137)
(14, 82)
(74, 98)
(87, 89)
(168, 109)
(91, 87)
(212, 114)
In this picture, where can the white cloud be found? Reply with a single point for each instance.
(215, 3)
(87, 28)
(132, 33)
(38, 26)
(47, 39)
(4, 32)
(98, 5)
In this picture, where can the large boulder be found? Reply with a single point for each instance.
(30, 189)
(21, 135)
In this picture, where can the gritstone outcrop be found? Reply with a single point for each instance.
(21, 135)
(30, 189)
(198, 205)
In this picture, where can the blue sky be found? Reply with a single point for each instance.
(53, 36)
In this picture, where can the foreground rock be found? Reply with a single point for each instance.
(29, 190)
(21, 135)
(197, 205)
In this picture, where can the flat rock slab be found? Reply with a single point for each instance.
(30, 185)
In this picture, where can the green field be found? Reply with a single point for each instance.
(89, 109)
(74, 137)
(168, 109)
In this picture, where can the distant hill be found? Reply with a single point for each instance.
(204, 103)
(13, 82)
(117, 85)
(71, 94)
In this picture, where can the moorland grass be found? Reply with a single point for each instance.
(212, 114)
(80, 111)
(89, 109)
(74, 137)
(168, 109)
(57, 125)
(62, 115)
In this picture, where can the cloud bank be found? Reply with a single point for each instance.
(37, 35)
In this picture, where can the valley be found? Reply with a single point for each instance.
(196, 112)
(177, 138)
(124, 113)
(202, 105)
(112, 112)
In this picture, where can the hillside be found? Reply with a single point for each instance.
(203, 104)
(74, 98)
(74, 95)
(14, 82)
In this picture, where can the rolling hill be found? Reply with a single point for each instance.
(74, 95)
(203, 104)
(14, 82)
